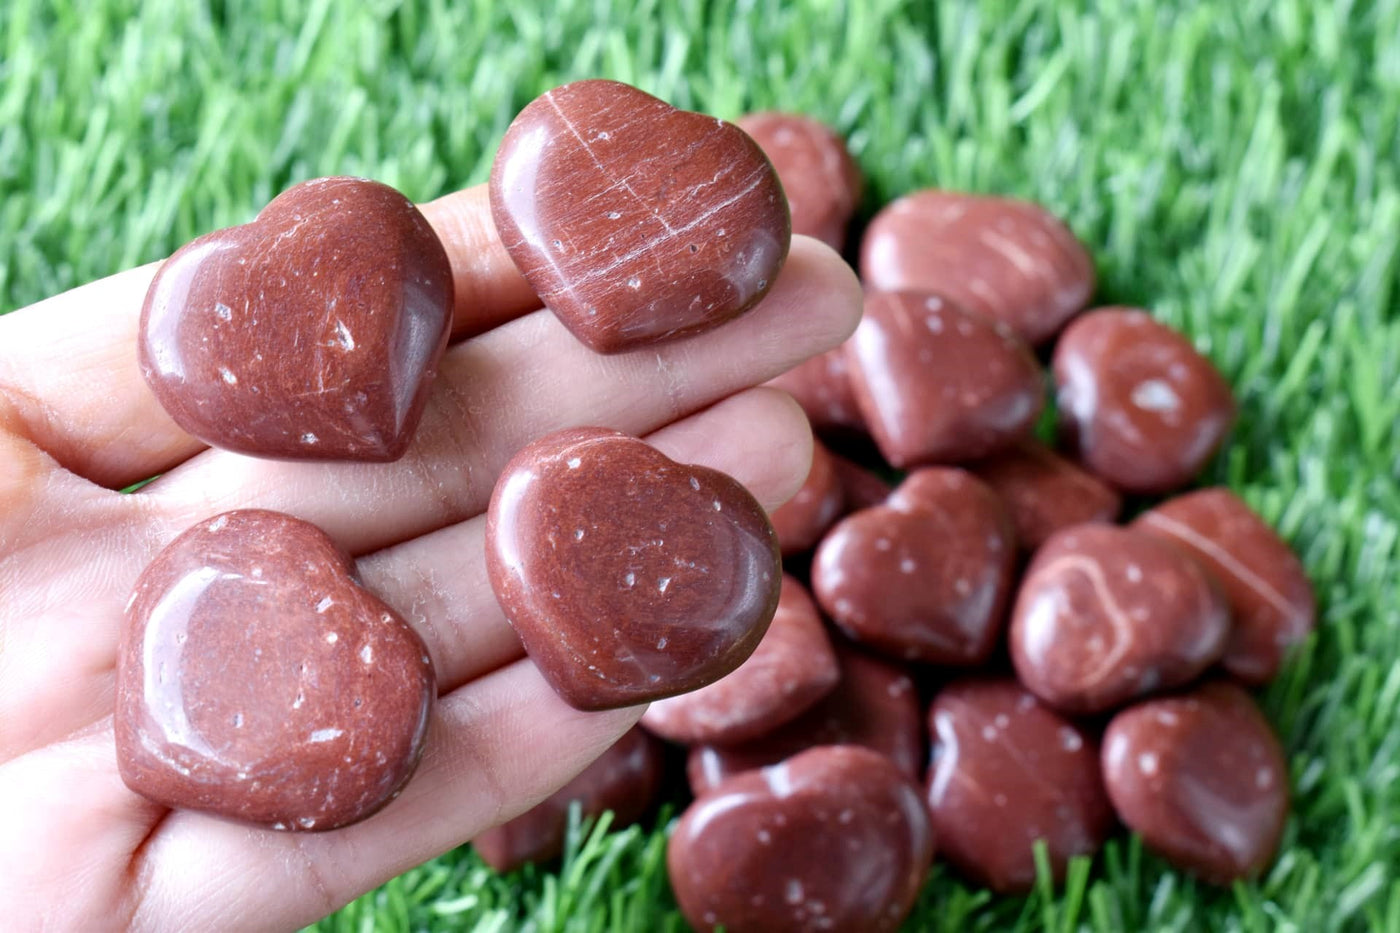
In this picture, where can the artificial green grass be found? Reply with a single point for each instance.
(1233, 165)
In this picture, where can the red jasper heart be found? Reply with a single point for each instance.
(629, 577)
(636, 222)
(311, 333)
(257, 680)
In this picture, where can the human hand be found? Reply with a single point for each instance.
(81, 851)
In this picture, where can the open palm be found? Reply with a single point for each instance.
(81, 851)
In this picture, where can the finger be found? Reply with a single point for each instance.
(502, 390)
(70, 368)
(496, 747)
(438, 582)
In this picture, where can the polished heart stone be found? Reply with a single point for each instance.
(802, 520)
(1007, 771)
(875, 705)
(939, 384)
(924, 577)
(1138, 405)
(1044, 492)
(1108, 614)
(1264, 582)
(625, 780)
(636, 222)
(1202, 779)
(861, 488)
(257, 680)
(792, 668)
(628, 577)
(835, 838)
(1010, 260)
(312, 332)
(821, 180)
(822, 386)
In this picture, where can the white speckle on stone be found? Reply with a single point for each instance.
(614, 215)
(574, 463)
(367, 654)
(1264, 778)
(1002, 720)
(309, 438)
(332, 638)
(882, 544)
(1133, 573)
(242, 775)
(326, 735)
(277, 826)
(662, 584)
(908, 565)
(228, 375)
(325, 603)
(720, 232)
(717, 506)
(661, 643)
(634, 283)
(603, 134)
(630, 579)
(306, 822)
(695, 484)
(1147, 763)
(344, 337)
(989, 733)
(1070, 740)
(224, 312)
(1155, 395)
(219, 524)
(578, 534)
(962, 586)
(793, 892)
(257, 573)
(764, 836)
(238, 720)
(297, 703)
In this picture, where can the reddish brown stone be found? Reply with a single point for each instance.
(938, 384)
(636, 222)
(1108, 614)
(874, 705)
(802, 520)
(1202, 779)
(1008, 771)
(820, 179)
(1264, 582)
(311, 333)
(860, 487)
(835, 838)
(625, 780)
(924, 577)
(1138, 405)
(822, 386)
(792, 668)
(1010, 260)
(628, 577)
(257, 680)
(1044, 492)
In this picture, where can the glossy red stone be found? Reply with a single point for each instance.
(1008, 771)
(1010, 260)
(628, 577)
(835, 838)
(636, 222)
(1108, 614)
(938, 384)
(819, 177)
(924, 577)
(874, 705)
(802, 520)
(792, 668)
(1137, 404)
(257, 680)
(1264, 582)
(861, 488)
(822, 386)
(311, 333)
(1202, 779)
(624, 780)
(1044, 492)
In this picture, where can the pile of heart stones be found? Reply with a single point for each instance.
(975, 660)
